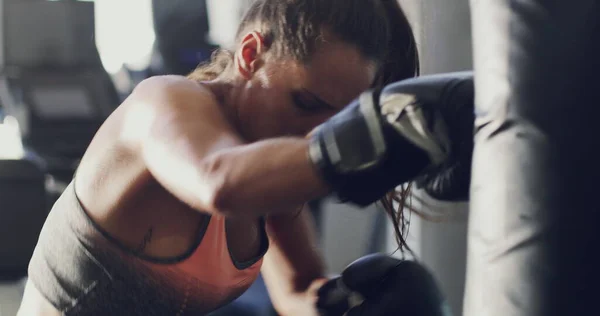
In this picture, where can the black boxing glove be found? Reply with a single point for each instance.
(416, 129)
(451, 180)
(387, 285)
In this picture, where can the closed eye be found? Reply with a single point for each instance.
(305, 105)
(309, 102)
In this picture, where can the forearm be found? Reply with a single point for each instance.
(265, 177)
(292, 268)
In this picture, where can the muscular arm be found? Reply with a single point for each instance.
(193, 151)
(292, 268)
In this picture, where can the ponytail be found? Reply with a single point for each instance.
(219, 63)
(402, 57)
(401, 62)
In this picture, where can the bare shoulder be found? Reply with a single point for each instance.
(170, 83)
(162, 100)
(171, 91)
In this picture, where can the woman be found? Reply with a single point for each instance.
(186, 185)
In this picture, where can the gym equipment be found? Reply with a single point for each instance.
(52, 79)
(181, 28)
(23, 210)
(533, 230)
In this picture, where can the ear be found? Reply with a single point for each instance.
(247, 57)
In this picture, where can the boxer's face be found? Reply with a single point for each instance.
(280, 96)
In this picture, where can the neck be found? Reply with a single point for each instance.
(227, 96)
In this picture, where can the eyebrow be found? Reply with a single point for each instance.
(318, 100)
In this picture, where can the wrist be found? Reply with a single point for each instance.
(322, 186)
(314, 286)
(303, 303)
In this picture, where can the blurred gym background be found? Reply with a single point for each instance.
(65, 65)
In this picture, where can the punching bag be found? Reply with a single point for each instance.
(534, 227)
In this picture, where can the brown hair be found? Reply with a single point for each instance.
(294, 28)
(378, 28)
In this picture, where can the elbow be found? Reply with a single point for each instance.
(220, 194)
(227, 201)
(220, 201)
